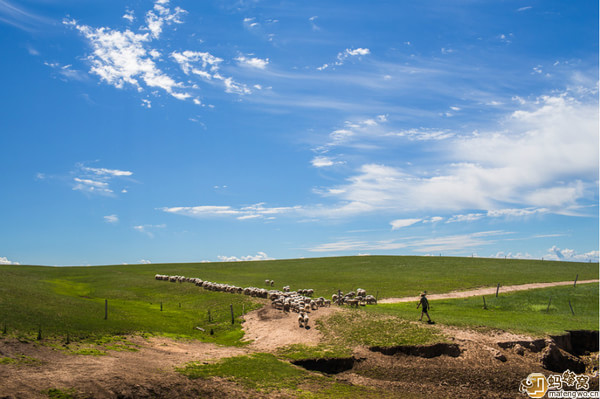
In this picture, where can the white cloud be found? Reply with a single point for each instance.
(258, 256)
(187, 58)
(147, 229)
(471, 217)
(355, 52)
(400, 223)
(545, 161)
(129, 15)
(252, 62)
(355, 245)
(516, 212)
(92, 186)
(510, 255)
(121, 58)
(161, 15)
(109, 172)
(456, 242)
(344, 55)
(66, 72)
(97, 180)
(112, 219)
(444, 244)
(323, 162)
(256, 211)
(423, 134)
(5, 261)
(313, 24)
(144, 262)
(555, 253)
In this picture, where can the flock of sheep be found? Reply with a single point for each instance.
(299, 301)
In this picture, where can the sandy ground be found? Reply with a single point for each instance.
(484, 291)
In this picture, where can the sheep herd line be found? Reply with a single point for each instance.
(299, 301)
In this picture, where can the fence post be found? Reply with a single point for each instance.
(209, 319)
(497, 289)
(161, 307)
(575, 282)
(484, 305)
(549, 302)
(232, 318)
(106, 309)
(573, 312)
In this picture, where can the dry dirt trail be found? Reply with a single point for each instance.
(485, 291)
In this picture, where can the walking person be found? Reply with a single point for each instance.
(424, 304)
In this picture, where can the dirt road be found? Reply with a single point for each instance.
(484, 291)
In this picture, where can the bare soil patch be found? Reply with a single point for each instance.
(269, 328)
(148, 372)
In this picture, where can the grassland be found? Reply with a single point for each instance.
(62, 300)
(536, 312)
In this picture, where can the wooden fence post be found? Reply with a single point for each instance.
(575, 282)
(106, 309)
(573, 312)
(497, 289)
(232, 318)
(161, 307)
(484, 305)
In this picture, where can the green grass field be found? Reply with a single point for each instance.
(71, 300)
(536, 312)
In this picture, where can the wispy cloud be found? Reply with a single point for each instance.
(66, 71)
(252, 62)
(546, 161)
(400, 223)
(112, 219)
(22, 18)
(443, 244)
(313, 23)
(256, 211)
(259, 256)
(344, 55)
(148, 229)
(98, 181)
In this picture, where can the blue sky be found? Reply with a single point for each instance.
(182, 131)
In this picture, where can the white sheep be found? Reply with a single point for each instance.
(301, 320)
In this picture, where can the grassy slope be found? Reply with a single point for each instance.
(72, 298)
(536, 312)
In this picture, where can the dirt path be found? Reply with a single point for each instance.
(484, 291)
(269, 328)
